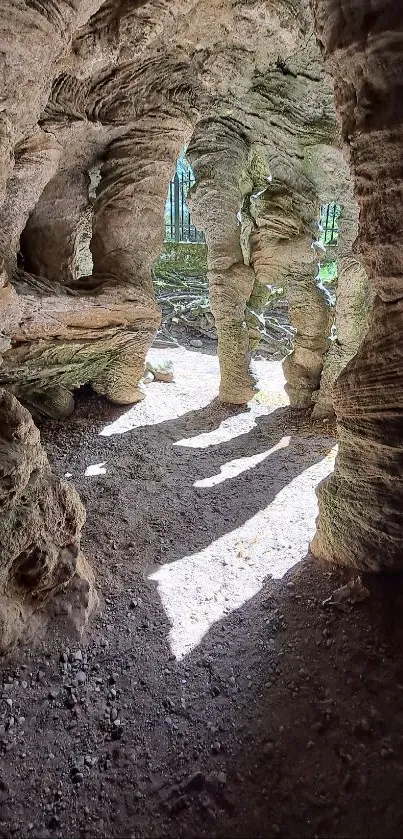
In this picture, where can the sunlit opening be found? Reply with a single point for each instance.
(203, 588)
(241, 464)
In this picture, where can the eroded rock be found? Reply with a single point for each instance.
(41, 519)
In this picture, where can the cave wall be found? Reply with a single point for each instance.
(124, 86)
(361, 505)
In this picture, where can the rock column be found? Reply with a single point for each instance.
(361, 505)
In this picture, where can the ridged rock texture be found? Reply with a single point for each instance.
(262, 169)
(40, 524)
(361, 505)
(353, 305)
(119, 89)
(97, 102)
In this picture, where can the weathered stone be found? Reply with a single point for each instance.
(40, 522)
(361, 505)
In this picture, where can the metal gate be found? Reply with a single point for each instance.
(329, 220)
(178, 223)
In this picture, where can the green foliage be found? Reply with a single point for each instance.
(184, 258)
(328, 272)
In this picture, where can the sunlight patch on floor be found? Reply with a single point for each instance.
(228, 429)
(95, 469)
(196, 385)
(203, 588)
(241, 464)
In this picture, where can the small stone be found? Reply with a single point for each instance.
(222, 778)
(53, 694)
(81, 677)
(9, 702)
(24, 685)
(54, 822)
(232, 680)
(77, 778)
(268, 749)
(195, 781)
(216, 748)
(196, 342)
(78, 764)
(116, 723)
(78, 656)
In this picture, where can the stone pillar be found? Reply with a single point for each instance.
(128, 220)
(361, 505)
(353, 304)
(218, 153)
(281, 255)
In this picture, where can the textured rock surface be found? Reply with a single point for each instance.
(120, 90)
(111, 93)
(353, 305)
(361, 505)
(40, 523)
(262, 169)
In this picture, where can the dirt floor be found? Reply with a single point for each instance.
(213, 695)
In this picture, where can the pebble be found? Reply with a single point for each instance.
(78, 656)
(81, 677)
(196, 342)
(195, 781)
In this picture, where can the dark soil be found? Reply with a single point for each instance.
(212, 695)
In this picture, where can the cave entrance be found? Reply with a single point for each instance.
(180, 273)
(178, 224)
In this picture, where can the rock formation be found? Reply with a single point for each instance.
(353, 304)
(97, 102)
(119, 91)
(361, 505)
(40, 524)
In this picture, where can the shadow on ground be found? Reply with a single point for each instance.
(284, 719)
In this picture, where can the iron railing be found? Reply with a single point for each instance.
(178, 223)
(329, 221)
